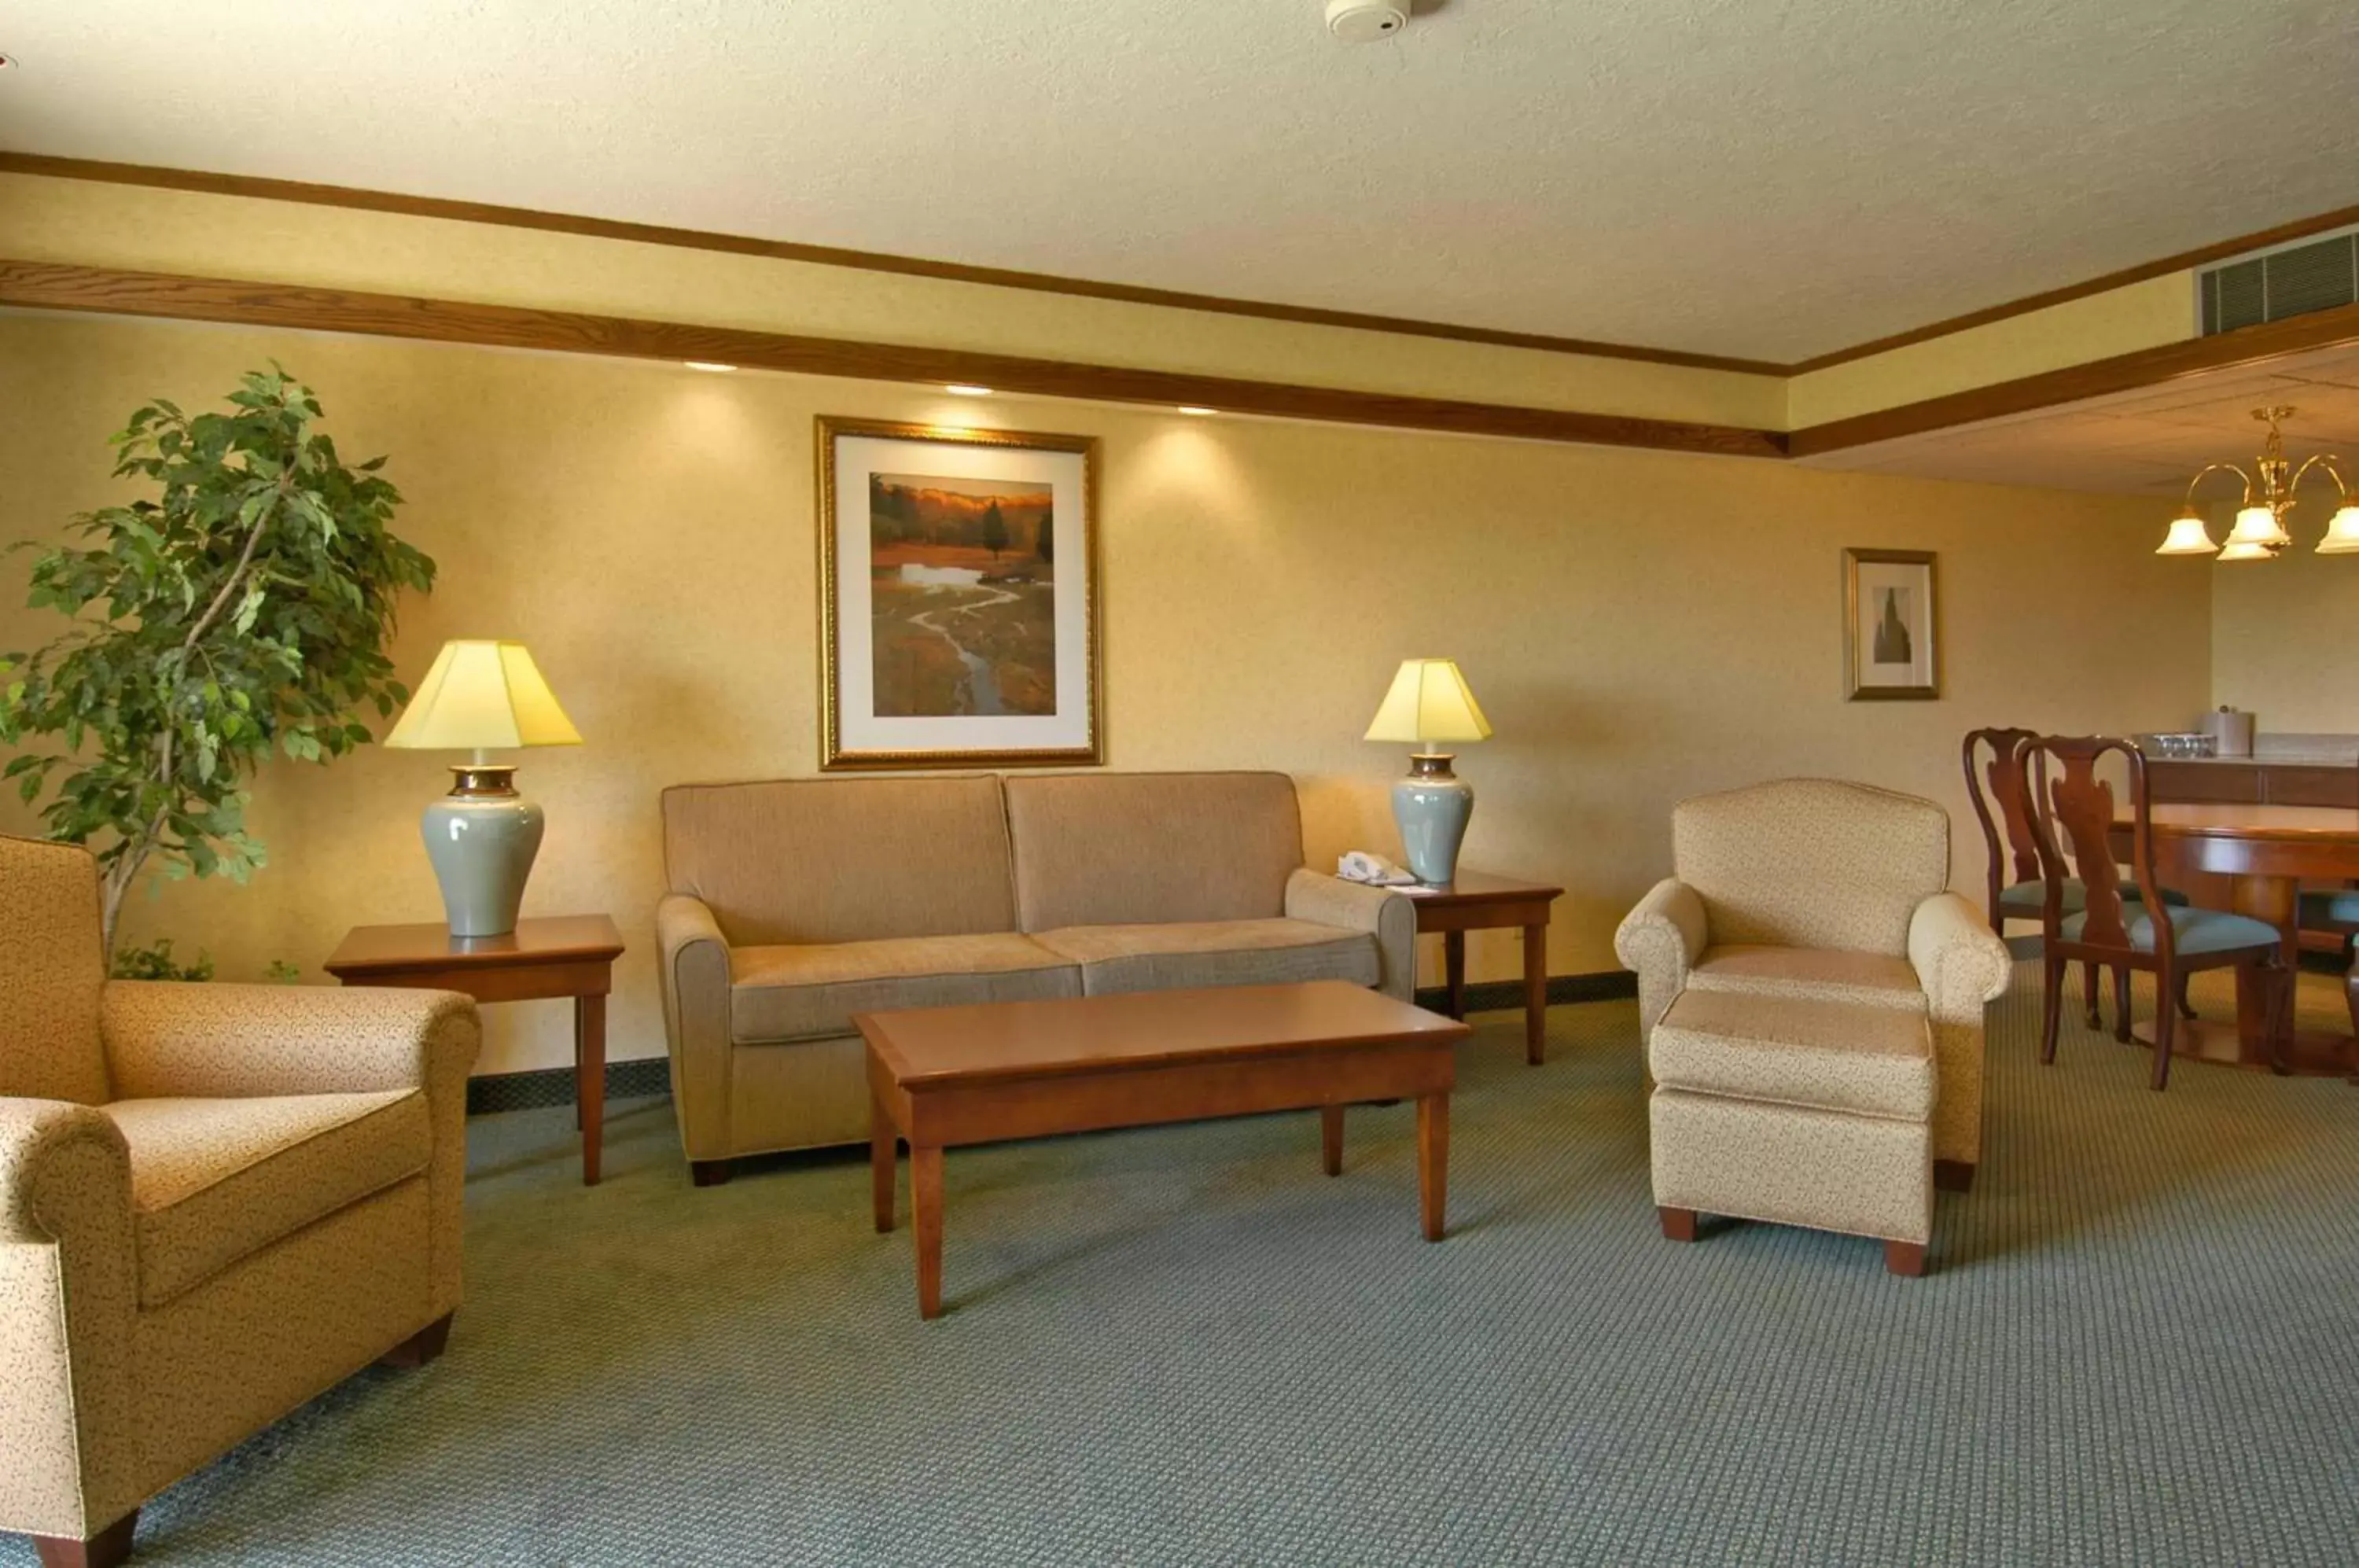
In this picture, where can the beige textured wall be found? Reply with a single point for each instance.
(2281, 635)
(1639, 625)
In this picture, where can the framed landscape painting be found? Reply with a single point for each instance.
(958, 586)
(1892, 639)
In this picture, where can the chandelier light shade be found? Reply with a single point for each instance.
(2187, 535)
(2342, 532)
(2269, 494)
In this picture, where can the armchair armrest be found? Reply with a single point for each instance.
(1959, 961)
(1659, 939)
(212, 1040)
(693, 967)
(69, 1293)
(1390, 916)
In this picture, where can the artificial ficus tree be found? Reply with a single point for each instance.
(245, 609)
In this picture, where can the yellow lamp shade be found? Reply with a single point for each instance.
(2341, 531)
(482, 696)
(1428, 701)
(2187, 535)
(2256, 525)
(2245, 549)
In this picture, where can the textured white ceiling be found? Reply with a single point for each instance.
(1760, 178)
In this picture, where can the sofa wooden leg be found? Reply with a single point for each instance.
(420, 1347)
(1679, 1224)
(104, 1549)
(1906, 1258)
(1954, 1175)
(708, 1172)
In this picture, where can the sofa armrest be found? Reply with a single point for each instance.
(693, 968)
(69, 1293)
(225, 1041)
(1962, 963)
(1390, 916)
(1659, 939)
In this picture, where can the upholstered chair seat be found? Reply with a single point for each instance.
(2029, 900)
(2192, 930)
(2329, 908)
(216, 1203)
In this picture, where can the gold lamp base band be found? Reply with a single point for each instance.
(482, 781)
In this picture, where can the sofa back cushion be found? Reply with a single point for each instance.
(51, 971)
(825, 860)
(1811, 863)
(1104, 849)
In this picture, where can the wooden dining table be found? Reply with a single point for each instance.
(2267, 851)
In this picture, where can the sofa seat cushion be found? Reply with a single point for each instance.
(215, 1180)
(810, 992)
(1795, 1051)
(1817, 974)
(1185, 953)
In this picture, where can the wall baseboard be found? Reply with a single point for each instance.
(652, 1074)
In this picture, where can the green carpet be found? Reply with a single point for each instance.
(1184, 1345)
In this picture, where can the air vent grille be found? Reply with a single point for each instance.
(2293, 281)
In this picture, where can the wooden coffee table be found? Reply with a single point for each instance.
(941, 1076)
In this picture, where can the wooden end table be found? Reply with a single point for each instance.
(1480, 900)
(988, 1071)
(563, 955)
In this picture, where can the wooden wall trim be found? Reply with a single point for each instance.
(832, 256)
(50, 287)
(2342, 217)
(2098, 378)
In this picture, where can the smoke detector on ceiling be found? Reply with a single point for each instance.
(1365, 21)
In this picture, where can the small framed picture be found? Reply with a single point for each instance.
(959, 603)
(1892, 635)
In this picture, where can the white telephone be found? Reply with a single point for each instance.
(1361, 866)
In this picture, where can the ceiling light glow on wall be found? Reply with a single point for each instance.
(1197, 410)
(2269, 494)
(711, 366)
(963, 390)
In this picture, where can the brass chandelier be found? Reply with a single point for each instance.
(2260, 531)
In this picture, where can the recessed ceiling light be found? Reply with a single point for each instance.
(964, 390)
(712, 365)
(1196, 410)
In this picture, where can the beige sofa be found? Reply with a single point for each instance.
(795, 903)
(1811, 999)
(215, 1201)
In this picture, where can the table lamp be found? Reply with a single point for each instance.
(1428, 705)
(482, 836)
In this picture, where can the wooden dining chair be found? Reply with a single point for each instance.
(2118, 932)
(1998, 775)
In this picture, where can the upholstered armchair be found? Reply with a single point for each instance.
(1811, 888)
(216, 1202)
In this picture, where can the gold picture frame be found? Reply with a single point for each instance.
(1892, 626)
(931, 534)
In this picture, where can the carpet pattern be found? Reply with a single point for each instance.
(2140, 1344)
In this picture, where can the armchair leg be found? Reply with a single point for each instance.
(2122, 1002)
(2165, 1028)
(708, 1172)
(1679, 1224)
(2096, 1018)
(420, 1347)
(1906, 1258)
(2186, 1008)
(1953, 1175)
(104, 1549)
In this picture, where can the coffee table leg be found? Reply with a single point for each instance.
(590, 1080)
(926, 1212)
(1534, 995)
(1330, 1139)
(1433, 1161)
(1454, 971)
(881, 1152)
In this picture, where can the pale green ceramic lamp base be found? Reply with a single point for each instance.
(482, 838)
(1431, 807)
